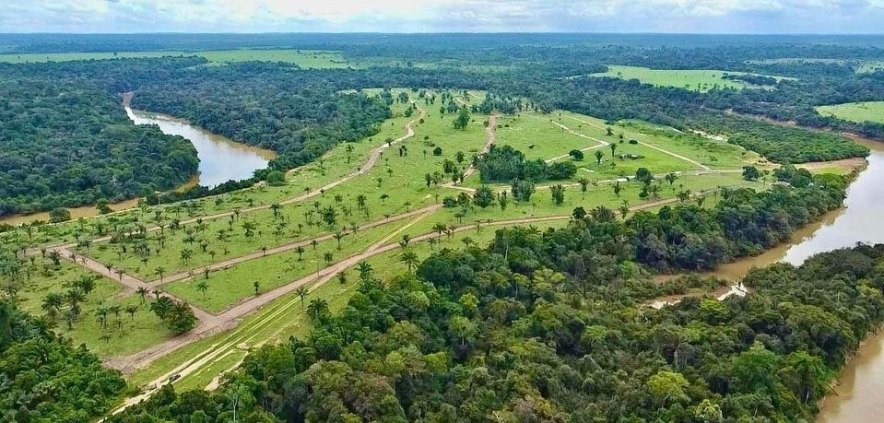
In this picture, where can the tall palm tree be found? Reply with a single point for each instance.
(202, 286)
(365, 270)
(317, 309)
(410, 259)
(302, 293)
(142, 292)
(159, 271)
(52, 304)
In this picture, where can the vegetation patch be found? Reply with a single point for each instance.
(867, 111)
(690, 79)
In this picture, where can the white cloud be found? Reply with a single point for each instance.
(825, 16)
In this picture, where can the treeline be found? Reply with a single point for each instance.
(614, 99)
(66, 142)
(505, 164)
(298, 114)
(45, 379)
(554, 326)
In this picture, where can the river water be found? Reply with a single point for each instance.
(220, 158)
(858, 396)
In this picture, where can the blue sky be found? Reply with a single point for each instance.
(676, 16)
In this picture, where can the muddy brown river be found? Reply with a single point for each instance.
(221, 159)
(858, 396)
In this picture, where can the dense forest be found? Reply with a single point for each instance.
(298, 114)
(66, 142)
(45, 379)
(555, 326)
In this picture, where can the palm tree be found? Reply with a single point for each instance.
(338, 237)
(317, 309)
(598, 156)
(302, 293)
(406, 239)
(342, 277)
(159, 271)
(329, 258)
(410, 259)
(365, 270)
(613, 148)
(624, 209)
(52, 304)
(249, 227)
(131, 309)
(300, 250)
(142, 291)
(85, 284)
(202, 286)
(257, 286)
(101, 313)
(440, 228)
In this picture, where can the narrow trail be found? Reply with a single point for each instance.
(653, 147)
(130, 282)
(490, 137)
(221, 265)
(599, 143)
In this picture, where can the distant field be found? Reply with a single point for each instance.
(311, 59)
(869, 111)
(864, 66)
(869, 67)
(696, 80)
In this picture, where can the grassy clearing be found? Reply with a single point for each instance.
(275, 322)
(308, 59)
(689, 79)
(230, 286)
(124, 334)
(537, 136)
(868, 111)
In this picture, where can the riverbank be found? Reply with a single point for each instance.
(221, 159)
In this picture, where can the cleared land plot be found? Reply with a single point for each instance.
(229, 286)
(869, 111)
(123, 334)
(690, 79)
(538, 137)
(308, 59)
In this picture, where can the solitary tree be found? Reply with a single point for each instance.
(302, 293)
(558, 194)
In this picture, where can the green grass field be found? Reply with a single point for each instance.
(124, 334)
(869, 111)
(690, 79)
(308, 59)
(229, 286)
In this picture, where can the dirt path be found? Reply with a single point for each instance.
(599, 143)
(653, 147)
(129, 282)
(292, 246)
(490, 136)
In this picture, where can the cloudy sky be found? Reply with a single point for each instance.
(681, 16)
